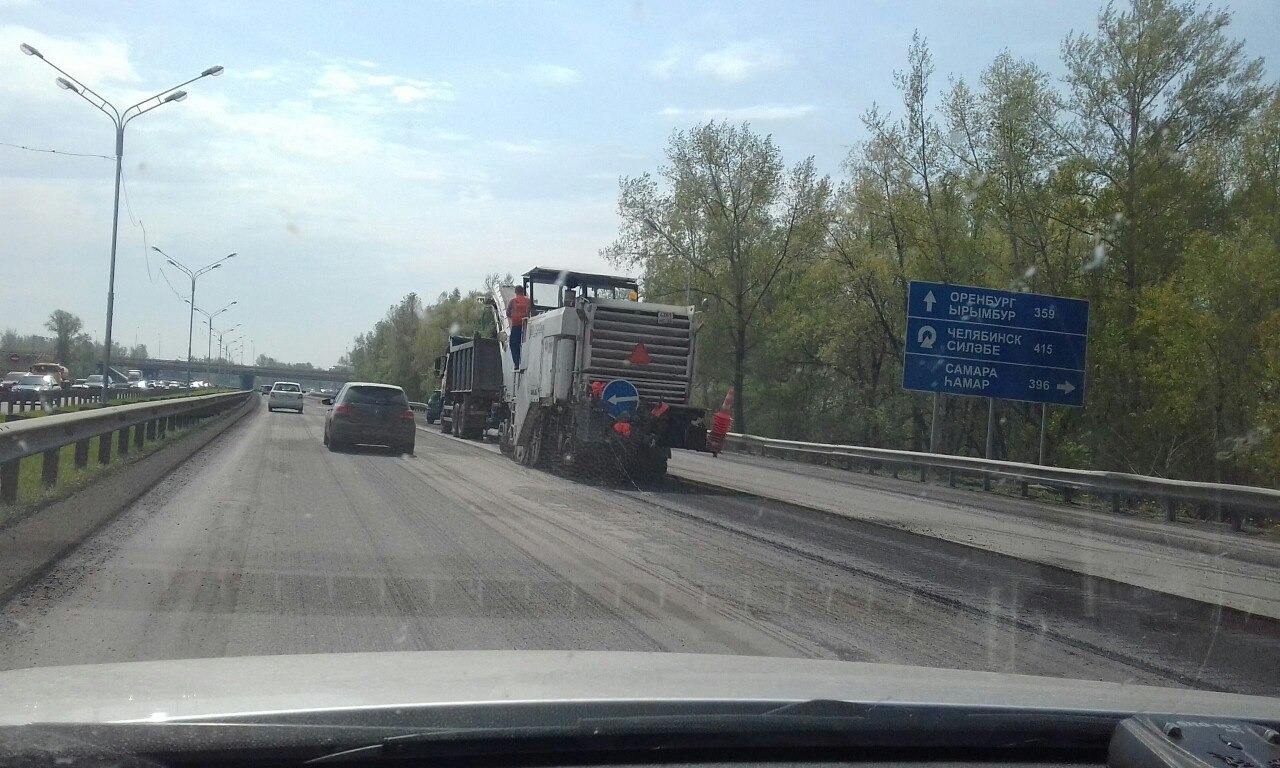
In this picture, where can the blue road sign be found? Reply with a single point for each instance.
(963, 340)
(620, 397)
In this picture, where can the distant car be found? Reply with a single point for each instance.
(80, 386)
(371, 414)
(435, 405)
(285, 395)
(94, 383)
(10, 379)
(265, 388)
(35, 385)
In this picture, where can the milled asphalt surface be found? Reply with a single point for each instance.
(266, 543)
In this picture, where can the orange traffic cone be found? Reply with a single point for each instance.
(720, 425)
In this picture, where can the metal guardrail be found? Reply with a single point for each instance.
(18, 403)
(136, 421)
(1118, 486)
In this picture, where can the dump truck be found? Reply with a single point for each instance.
(603, 381)
(471, 387)
(60, 373)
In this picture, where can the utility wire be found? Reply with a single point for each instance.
(53, 151)
(128, 206)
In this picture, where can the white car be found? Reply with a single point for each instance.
(285, 394)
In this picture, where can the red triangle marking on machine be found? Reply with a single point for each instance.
(640, 355)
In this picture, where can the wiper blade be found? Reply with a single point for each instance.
(814, 724)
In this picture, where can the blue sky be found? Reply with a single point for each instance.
(354, 152)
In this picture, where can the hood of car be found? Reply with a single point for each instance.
(268, 684)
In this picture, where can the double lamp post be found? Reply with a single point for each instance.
(120, 119)
(193, 275)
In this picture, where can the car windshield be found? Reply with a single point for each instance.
(932, 341)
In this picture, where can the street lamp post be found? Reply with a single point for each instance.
(191, 320)
(208, 318)
(119, 119)
(221, 368)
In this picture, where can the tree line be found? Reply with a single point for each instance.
(1146, 180)
(72, 347)
(402, 348)
(68, 345)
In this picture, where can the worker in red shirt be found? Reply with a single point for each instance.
(518, 309)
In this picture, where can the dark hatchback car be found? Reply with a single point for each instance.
(370, 414)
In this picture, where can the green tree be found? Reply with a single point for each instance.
(65, 327)
(733, 220)
(1205, 353)
(1152, 85)
(1257, 174)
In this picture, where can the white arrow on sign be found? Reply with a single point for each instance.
(926, 336)
(1066, 387)
(615, 399)
(928, 301)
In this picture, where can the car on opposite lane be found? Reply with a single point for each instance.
(285, 395)
(369, 413)
(35, 385)
(93, 384)
(10, 379)
(265, 388)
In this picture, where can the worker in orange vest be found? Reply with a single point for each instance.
(518, 309)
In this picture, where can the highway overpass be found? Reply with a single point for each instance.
(228, 373)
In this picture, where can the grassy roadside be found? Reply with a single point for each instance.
(33, 494)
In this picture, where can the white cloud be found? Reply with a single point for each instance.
(356, 84)
(335, 82)
(740, 114)
(553, 74)
(520, 147)
(738, 62)
(666, 67)
(408, 94)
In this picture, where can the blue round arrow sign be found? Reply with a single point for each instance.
(620, 396)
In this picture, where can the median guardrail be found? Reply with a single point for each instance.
(122, 424)
(17, 404)
(1234, 500)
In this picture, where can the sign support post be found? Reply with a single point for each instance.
(991, 439)
(933, 426)
(1044, 420)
